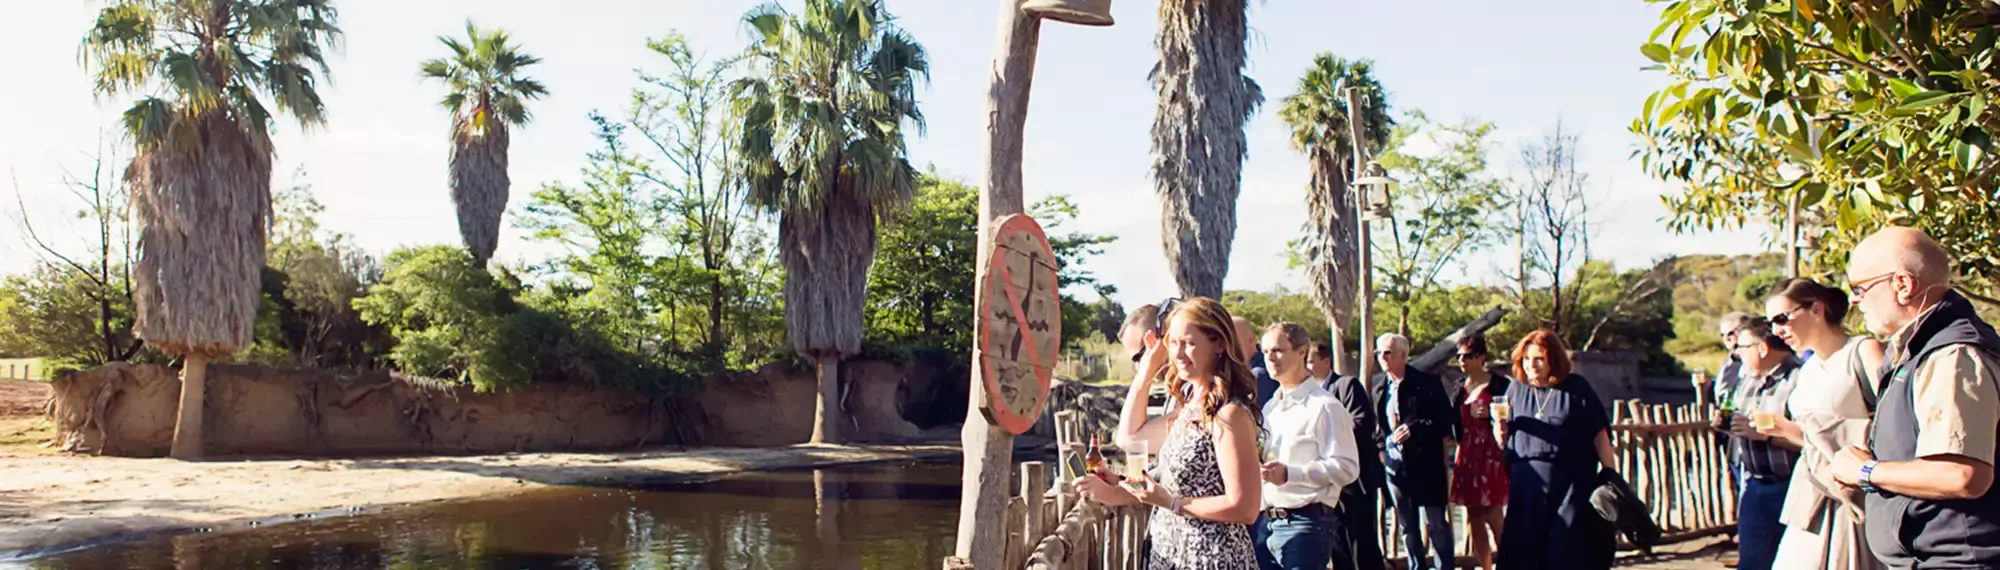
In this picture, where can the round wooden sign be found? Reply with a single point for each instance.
(1019, 324)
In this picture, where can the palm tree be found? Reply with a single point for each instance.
(1318, 117)
(824, 113)
(1198, 148)
(488, 94)
(201, 173)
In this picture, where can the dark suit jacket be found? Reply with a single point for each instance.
(1354, 396)
(1266, 385)
(1422, 405)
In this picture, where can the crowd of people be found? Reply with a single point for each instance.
(1849, 451)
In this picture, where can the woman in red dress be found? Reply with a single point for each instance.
(1479, 476)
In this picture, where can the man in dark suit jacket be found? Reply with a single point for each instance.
(1357, 501)
(1415, 418)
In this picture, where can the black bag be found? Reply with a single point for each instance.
(1614, 500)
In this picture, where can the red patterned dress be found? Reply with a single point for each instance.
(1479, 477)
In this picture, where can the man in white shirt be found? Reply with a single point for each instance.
(1309, 455)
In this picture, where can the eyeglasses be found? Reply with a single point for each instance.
(1785, 318)
(1464, 355)
(1856, 289)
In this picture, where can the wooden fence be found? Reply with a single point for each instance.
(1675, 463)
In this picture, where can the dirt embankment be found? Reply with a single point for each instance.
(129, 410)
(22, 398)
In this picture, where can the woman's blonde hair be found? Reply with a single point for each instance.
(1234, 381)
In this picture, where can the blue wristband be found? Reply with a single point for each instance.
(1868, 477)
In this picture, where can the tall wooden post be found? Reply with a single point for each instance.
(989, 448)
(1364, 299)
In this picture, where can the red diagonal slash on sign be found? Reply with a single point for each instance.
(995, 404)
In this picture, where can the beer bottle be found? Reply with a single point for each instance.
(1093, 461)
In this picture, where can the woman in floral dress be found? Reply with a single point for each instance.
(1479, 476)
(1209, 492)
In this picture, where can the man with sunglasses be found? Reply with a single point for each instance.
(1768, 367)
(1928, 471)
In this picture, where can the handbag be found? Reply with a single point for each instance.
(1617, 504)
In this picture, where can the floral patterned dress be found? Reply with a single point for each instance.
(1189, 469)
(1479, 477)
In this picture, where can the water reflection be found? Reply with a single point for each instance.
(868, 517)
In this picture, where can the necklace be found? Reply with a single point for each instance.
(1542, 401)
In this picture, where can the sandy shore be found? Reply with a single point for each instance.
(57, 502)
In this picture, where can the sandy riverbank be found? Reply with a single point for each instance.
(55, 502)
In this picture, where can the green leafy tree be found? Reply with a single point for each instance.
(682, 116)
(488, 95)
(201, 176)
(832, 90)
(310, 287)
(100, 272)
(609, 230)
(1445, 201)
(1321, 127)
(448, 316)
(1277, 305)
(52, 313)
(1868, 113)
(917, 286)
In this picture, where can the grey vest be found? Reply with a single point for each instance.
(1907, 532)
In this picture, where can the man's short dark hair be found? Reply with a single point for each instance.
(1322, 350)
(1142, 316)
(1759, 330)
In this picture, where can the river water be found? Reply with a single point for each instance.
(878, 516)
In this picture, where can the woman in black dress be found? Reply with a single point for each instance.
(1556, 441)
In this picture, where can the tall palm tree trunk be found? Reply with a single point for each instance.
(826, 410)
(203, 211)
(1332, 257)
(1198, 139)
(479, 186)
(188, 421)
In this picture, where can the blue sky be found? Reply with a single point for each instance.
(379, 165)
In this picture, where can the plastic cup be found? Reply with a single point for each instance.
(1502, 411)
(1765, 421)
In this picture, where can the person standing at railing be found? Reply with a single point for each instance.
(1556, 435)
(1829, 410)
(1209, 491)
(1417, 419)
(1928, 468)
(1309, 457)
(1769, 369)
(1479, 474)
(1359, 513)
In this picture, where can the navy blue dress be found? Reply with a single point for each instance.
(1552, 468)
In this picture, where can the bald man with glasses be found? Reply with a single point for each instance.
(1928, 467)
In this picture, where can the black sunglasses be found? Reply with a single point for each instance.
(1784, 318)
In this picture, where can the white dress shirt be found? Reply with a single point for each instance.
(1313, 435)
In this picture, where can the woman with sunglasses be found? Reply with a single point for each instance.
(1829, 410)
(1479, 474)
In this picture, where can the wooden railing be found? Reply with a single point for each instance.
(1674, 462)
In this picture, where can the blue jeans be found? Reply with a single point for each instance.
(1757, 526)
(1436, 524)
(1298, 542)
